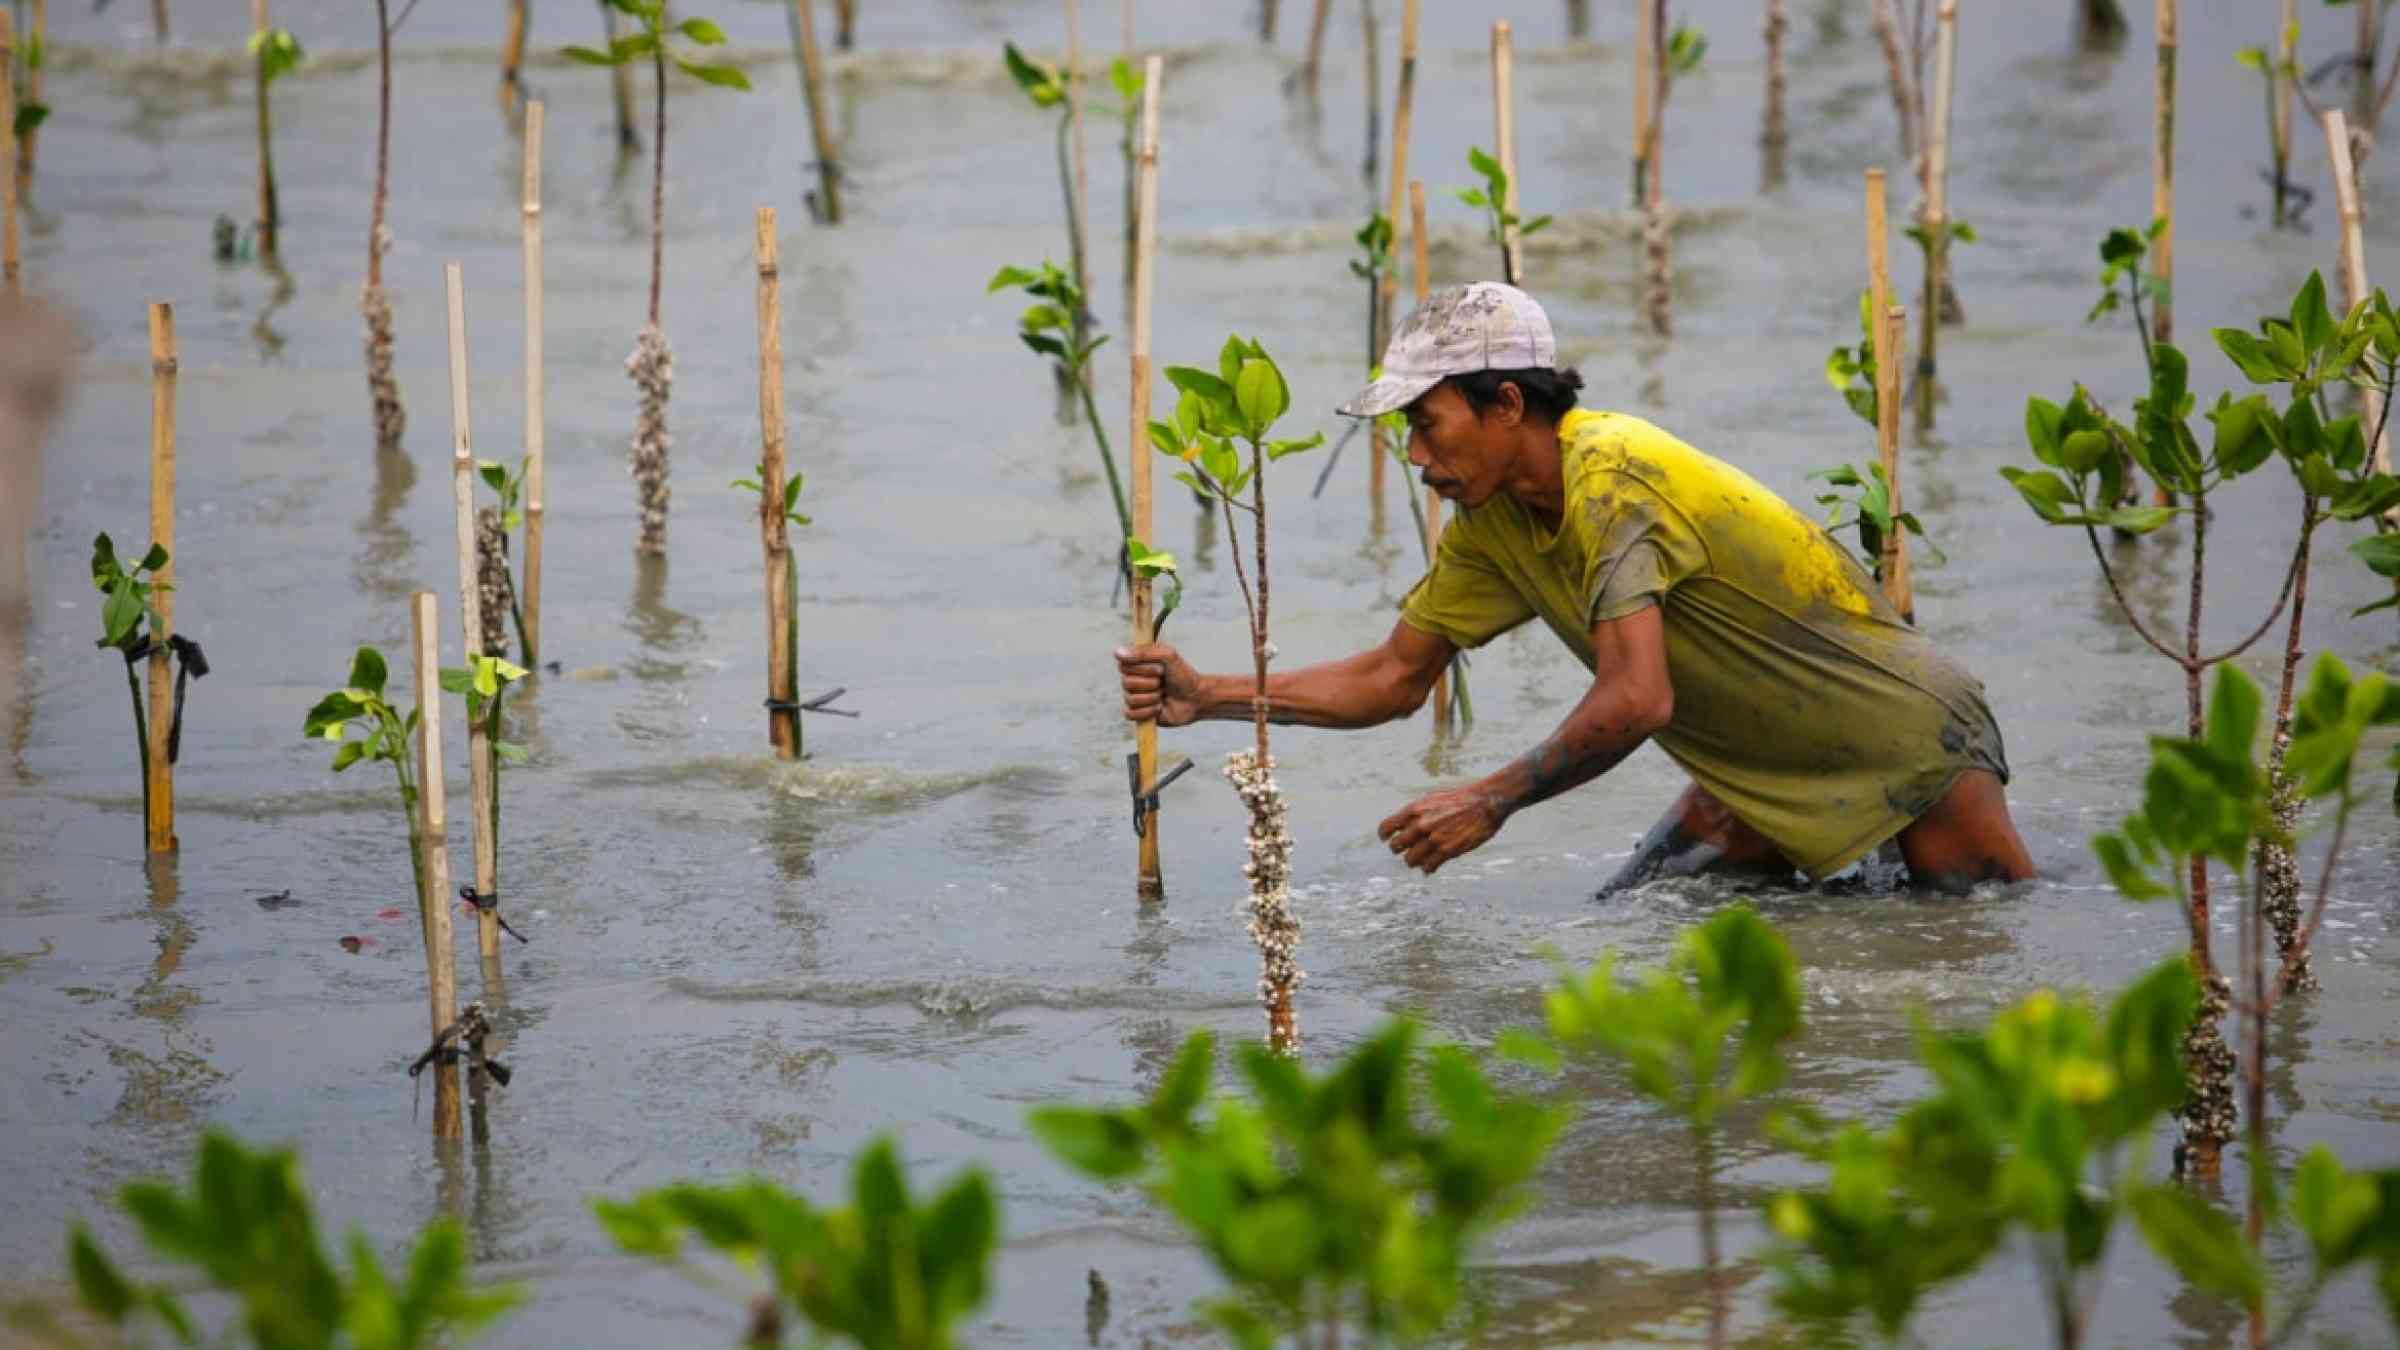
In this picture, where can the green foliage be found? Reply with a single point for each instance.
(1241, 400)
(791, 493)
(509, 487)
(1685, 46)
(885, 1273)
(245, 1229)
(1731, 979)
(1851, 370)
(1048, 324)
(1491, 199)
(1040, 80)
(1324, 1198)
(1870, 510)
(360, 705)
(481, 681)
(1151, 564)
(1374, 241)
(2022, 1114)
(2122, 252)
(129, 601)
(278, 53)
(650, 40)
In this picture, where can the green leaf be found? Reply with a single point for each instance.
(2380, 552)
(1260, 394)
(702, 31)
(2137, 519)
(1039, 81)
(639, 1227)
(2311, 319)
(1103, 1144)
(367, 672)
(2081, 451)
(122, 613)
(2045, 492)
(2125, 872)
(2256, 362)
(1530, 1048)
(2254, 58)
(101, 1289)
(590, 57)
(2232, 725)
(349, 753)
(723, 77)
(1278, 449)
(1145, 560)
(2042, 427)
(2203, 1245)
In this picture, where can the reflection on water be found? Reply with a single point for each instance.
(386, 548)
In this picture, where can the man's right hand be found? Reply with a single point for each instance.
(1160, 686)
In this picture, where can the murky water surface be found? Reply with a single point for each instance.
(929, 926)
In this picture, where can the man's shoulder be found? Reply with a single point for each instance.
(1600, 444)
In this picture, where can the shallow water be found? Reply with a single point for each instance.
(928, 927)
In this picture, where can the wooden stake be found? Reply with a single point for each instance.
(2279, 107)
(433, 902)
(1316, 40)
(159, 808)
(2162, 180)
(1879, 269)
(812, 84)
(9, 279)
(1391, 275)
(1898, 586)
(512, 58)
(1772, 134)
(470, 613)
(1504, 132)
(1420, 256)
(783, 724)
(39, 41)
(845, 24)
(533, 384)
(2354, 273)
(158, 20)
(1645, 51)
(1266, 21)
(1149, 881)
(1936, 214)
(268, 218)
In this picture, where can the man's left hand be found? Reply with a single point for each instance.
(1434, 829)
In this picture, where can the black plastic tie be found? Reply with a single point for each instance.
(490, 904)
(1146, 802)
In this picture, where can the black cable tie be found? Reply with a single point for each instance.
(490, 904)
(190, 664)
(441, 1049)
(822, 703)
(1146, 802)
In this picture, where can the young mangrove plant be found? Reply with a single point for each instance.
(384, 733)
(2279, 72)
(496, 588)
(1492, 200)
(1326, 1201)
(127, 621)
(1126, 79)
(887, 1272)
(790, 496)
(274, 53)
(383, 386)
(1048, 327)
(2089, 456)
(1241, 401)
(1670, 56)
(1700, 1035)
(32, 47)
(1868, 507)
(652, 364)
(484, 682)
(244, 1231)
(1046, 86)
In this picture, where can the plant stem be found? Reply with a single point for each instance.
(1704, 1156)
(791, 644)
(2278, 871)
(1108, 456)
(658, 176)
(1258, 627)
(141, 739)
(383, 143)
(2254, 1084)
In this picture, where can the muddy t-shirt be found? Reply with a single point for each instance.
(1802, 702)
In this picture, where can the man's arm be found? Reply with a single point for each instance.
(1631, 697)
(1367, 689)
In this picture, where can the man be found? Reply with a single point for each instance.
(1715, 619)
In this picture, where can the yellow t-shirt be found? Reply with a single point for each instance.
(1802, 702)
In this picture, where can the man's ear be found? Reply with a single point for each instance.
(1512, 403)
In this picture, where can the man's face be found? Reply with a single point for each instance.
(1458, 453)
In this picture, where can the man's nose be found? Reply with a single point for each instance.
(1417, 454)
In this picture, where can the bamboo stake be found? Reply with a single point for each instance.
(9, 279)
(2354, 271)
(1149, 881)
(1936, 214)
(533, 384)
(158, 20)
(1645, 51)
(845, 24)
(1369, 32)
(1266, 21)
(1899, 586)
(1081, 205)
(1391, 276)
(433, 902)
(1879, 269)
(37, 41)
(620, 79)
(512, 58)
(470, 613)
(1420, 255)
(159, 808)
(2279, 107)
(812, 84)
(783, 723)
(268, 218)
(1504, 132)
(1316, 40)
(2162, 180)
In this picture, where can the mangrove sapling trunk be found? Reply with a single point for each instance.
(1657, 265)
(1316, 42)
(1906, 105)
(495, 592)
(1772, 135)
(532, 617)
(620, 84)
(270, 63)
(8, 156)
(2162, 178)
(845, 21)
(2281, 75)
(1934, 217)
(383, 386)
(1079, 197)
(36, 53)
(158, 21)
(827, 200)
(1367, 28)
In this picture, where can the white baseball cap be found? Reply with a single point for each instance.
(1482, 325)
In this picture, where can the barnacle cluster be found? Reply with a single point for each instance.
(652, 368)
(1273, 925)
(495, 590)
(2207, 1115)
(2279, 882)
(1658, 272)
(382, 386)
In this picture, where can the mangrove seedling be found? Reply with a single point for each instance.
(1700, 1035)
(1673, 56)
(2278, 71)
(1869, 507)
(484, 682)
(1851, 370)
(1048, 328)
(2034, 1126)
(384, 733)
(1326, 1200)
(886, 1272)
(275, 53)
(791, 587)
(1374, 240)
(383, 386)
(1126, 79)
(1492, 200)
(32, 45)
(496, 589)
(1241, 401)
(127, 621)
(1150, 564)
(1046, 86)
(2089, 456)
(244, 1230)
(652, 364)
